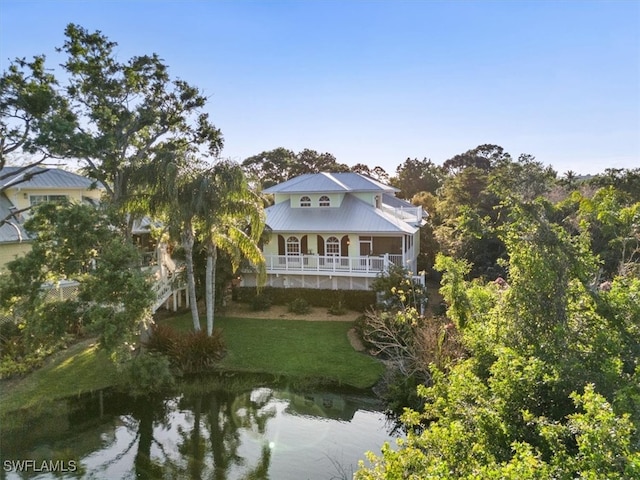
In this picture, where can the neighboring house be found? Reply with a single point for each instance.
(337, 231)
(42, 185)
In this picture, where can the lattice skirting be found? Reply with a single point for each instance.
(312, 281)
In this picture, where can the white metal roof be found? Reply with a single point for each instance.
(330, 183)
(46, 178)
(353, 216)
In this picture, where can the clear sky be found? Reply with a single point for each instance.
(376, 82)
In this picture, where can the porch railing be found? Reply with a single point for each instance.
(326, 263)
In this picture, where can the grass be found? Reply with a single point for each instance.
(292, 348)
(80, 369)
(288, 348)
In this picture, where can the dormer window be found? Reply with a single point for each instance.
(305, 201)
(325, 201)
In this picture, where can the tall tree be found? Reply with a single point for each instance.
(276, 166)
(483, 157)
(176, 198)
(232, 220)
(33, 114)
(310, 161)
(415, 176)
(129, 113)
(270, 168)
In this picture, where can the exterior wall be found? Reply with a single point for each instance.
(9, 251)
(367, 197)
(334, 198)
(17, 195)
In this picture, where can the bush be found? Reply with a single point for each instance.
(337, 309)
(55, 320)
(300, 306)
(147, 373)
(191, 352)
(198, 352)
(260, 303)
(357, 300)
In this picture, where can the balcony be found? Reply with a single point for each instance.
(331, 265)
(406, 214)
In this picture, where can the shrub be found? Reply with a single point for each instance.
(357, 300)
(337, 309)
(300, 306)
(191, 352)
(147, 373)
(55, 319)
(260, 302)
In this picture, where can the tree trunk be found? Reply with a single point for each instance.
(187, 242)
(212, 258)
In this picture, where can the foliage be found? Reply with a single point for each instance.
(278, 165)
(337, 308)
(260, 302)
(299, 306)
(146, 374)
(130, 114)
(33, 114)
(415, 176)
(356, 300)
(550, 388)
(190, 352)
(20, 358)
(117, 297)
(462, 439)
(395, 288)
(613, 223)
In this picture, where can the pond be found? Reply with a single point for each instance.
(230, 429)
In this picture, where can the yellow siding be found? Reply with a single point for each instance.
(20, 197)
(9, 251)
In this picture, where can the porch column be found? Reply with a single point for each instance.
(404, 251)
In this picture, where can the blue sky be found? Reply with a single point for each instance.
(376, 82)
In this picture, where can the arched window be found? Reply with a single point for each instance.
(293, 246)
(305, 201)
(325, 201)
(332, 247)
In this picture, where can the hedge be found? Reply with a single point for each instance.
(357, 300)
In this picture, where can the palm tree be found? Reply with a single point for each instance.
(176, 198)
(232, 220)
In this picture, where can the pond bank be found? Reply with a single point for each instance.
(289, 348)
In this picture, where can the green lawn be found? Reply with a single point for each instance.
(290, 348)
(80, 369)
(293, 348)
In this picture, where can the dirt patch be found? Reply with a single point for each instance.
(281, 312)
(355, 341)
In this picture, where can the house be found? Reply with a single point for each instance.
(337, 231)
(21, 189)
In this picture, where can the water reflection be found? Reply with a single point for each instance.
(213, 430)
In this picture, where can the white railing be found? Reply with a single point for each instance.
(326, 263)
(167, 285)
(407, 214)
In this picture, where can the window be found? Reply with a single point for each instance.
(305, 201)
(293, 246)
(332, 247)
(325, 201)
(38, 199)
